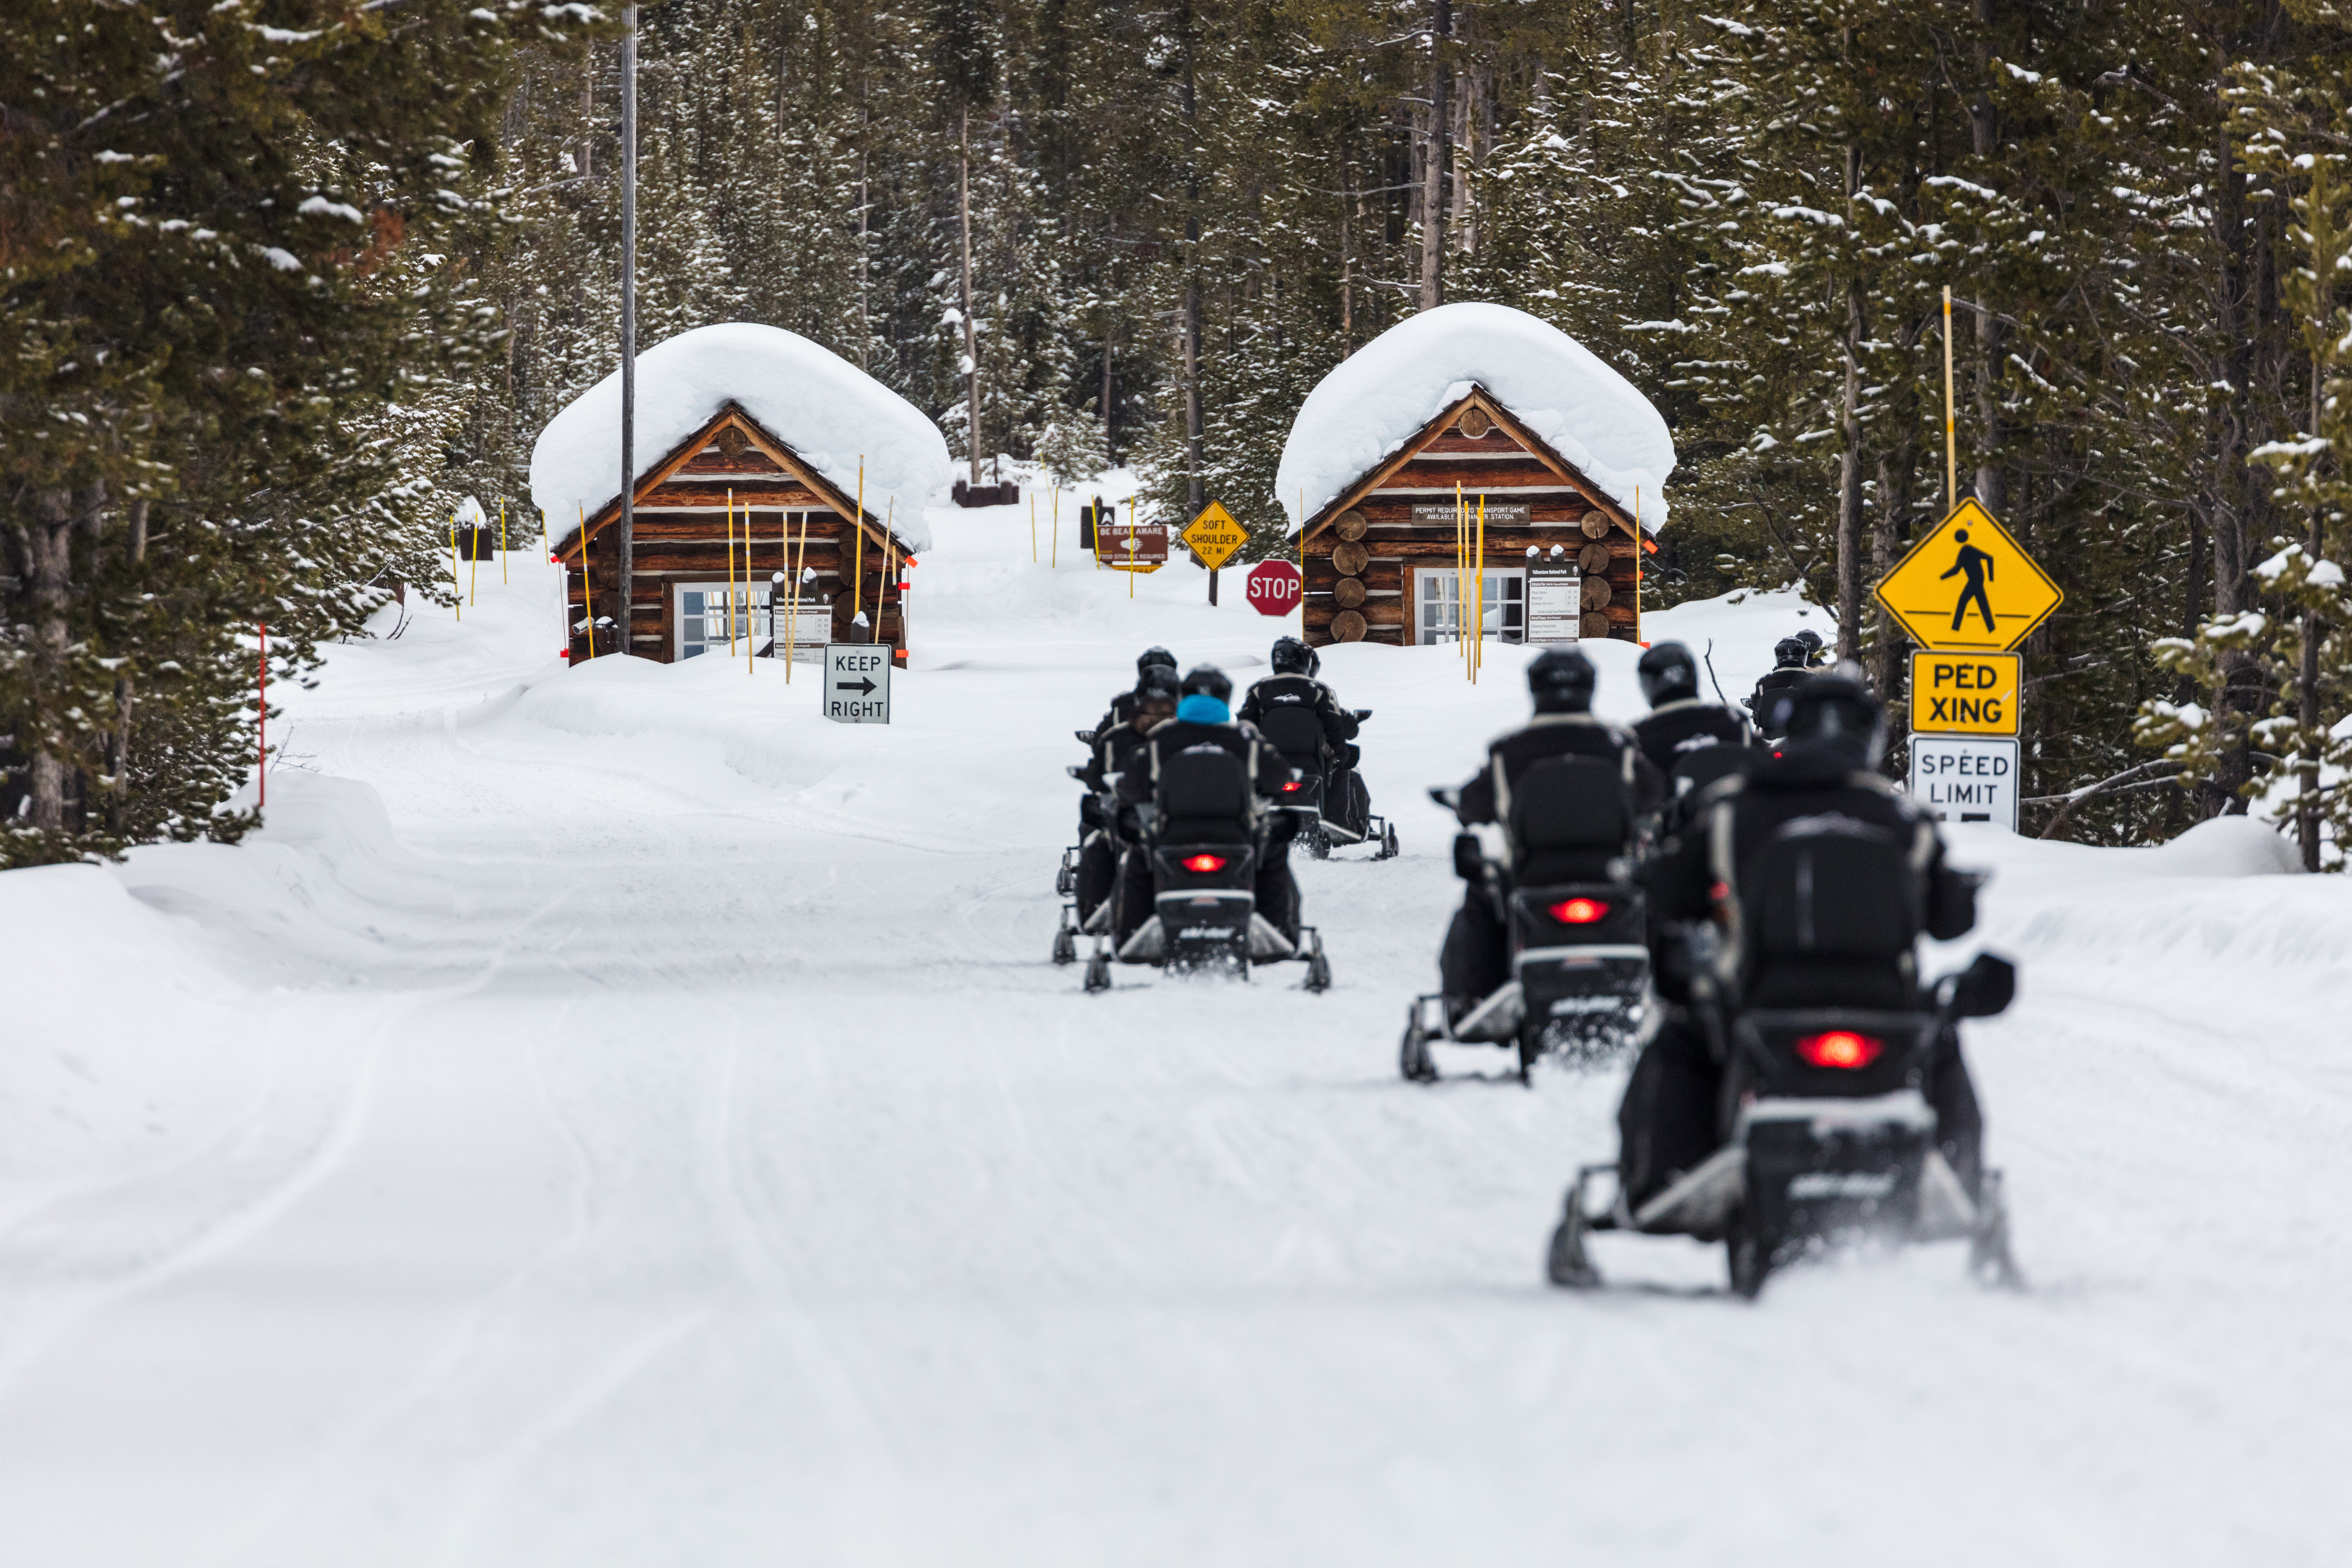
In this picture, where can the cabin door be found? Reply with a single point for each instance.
(1439, 617)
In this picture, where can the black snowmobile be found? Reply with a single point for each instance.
(1325, 821)
(1831, 1140)
(1204, 839)
(1576, 921)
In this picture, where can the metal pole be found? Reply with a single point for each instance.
(625, 567)
(1951, 442)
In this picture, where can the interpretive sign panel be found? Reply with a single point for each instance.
(1554, 604)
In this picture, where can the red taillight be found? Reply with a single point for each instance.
(1840, 1049)
(1204, 863)
(1578, 912)
(1294, 784)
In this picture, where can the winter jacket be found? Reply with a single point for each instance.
(1294, 690)
(1670, 733)
(1488, 797)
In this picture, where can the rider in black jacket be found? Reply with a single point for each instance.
(1819, 780)
(1790, 671)
(1154, 702)
(1679, 723)
(1293, 685)
(1476, 955)
(1203, 717)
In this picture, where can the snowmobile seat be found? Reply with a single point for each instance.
(1571, 821)
(1831, 917)
(1204, 797)
(1693, 771)
(1297, 733)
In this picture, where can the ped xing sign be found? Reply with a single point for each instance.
(1968, 588)
(857, 682)
(1957, 778)
(1964, 693)
(1214, 536)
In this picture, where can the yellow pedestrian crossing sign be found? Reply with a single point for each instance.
(1968, 588)
(1213, 536)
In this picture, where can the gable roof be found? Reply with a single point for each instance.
(1536, 447)
(1555, 392)
(839, 422)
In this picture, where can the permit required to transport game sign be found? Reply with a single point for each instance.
(857, 682)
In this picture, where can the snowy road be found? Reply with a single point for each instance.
(652, 1136)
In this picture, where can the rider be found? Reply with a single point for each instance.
(1154, 702)
(1476, 955)
(1293, 684)
(1122, 707)
(1821, 780)
(1790, 660)
(1678, 722)
(1204, 716)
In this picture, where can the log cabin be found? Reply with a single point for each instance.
(1504, 409)
(787, 430)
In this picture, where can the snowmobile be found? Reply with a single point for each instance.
(1833, 1141)
(1577, 924)
(1204, 839)
(1325, 823)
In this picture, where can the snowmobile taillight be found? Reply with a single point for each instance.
(1840, 1048)
(1578, 912)
(1204, 863)
(1292, 786)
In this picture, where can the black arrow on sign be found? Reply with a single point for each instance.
(864, 688)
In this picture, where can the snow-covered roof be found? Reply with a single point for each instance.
(1383, 393)
(829, 413)
(471, 515)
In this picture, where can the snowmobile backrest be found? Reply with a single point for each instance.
(1205, 795)
(1570, 818)
(1294, 731)
(1831, 887)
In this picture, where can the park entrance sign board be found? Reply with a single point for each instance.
(1968, 588)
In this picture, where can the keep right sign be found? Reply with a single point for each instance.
(1964, 693)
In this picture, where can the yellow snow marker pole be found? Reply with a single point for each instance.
(587, 594)
(857, 541)
(473, 570)
(503, 539)
(1951, 442)
(1461, 576)
(751, 633)
(1637, 564)
(1032, 527)
(730, 572)
(889, 554)
(1054, 550)
(1479, 659)
(453, 567)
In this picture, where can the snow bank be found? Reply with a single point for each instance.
(829, 413)
(1378, 397)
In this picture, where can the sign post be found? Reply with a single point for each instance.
(1213, 537)
(1274, 587)
(857, 682)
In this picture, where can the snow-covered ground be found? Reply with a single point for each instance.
(614, 1116)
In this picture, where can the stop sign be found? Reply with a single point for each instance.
(1274, 587)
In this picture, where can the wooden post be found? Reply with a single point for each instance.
(503, 539)
(1130, 547)
(730, 572)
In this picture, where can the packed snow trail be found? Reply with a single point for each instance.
(614, 1116)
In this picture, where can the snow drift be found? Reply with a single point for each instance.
(1378, 397)
(830, 413)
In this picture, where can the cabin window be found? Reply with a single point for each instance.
(1438, 616)
(703, 611)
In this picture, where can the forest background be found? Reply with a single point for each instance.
(1079, 233)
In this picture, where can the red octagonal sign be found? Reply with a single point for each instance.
(1274, 587)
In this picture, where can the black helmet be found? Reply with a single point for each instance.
(1811, 639)
(1560, 680)
(1156, 684)
(1207, 680)
(1291, 656)
(1155, 656)
(1790, 653)
(1834, 716)
(1668, 674)
(1314, 662)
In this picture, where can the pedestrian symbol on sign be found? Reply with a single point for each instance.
(1977, 566)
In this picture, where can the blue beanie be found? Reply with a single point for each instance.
(1202, 708)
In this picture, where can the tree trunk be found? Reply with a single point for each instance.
(1886, 540)
(970, 332)
(1436, 161)
(1993, 335)
(117, 750)
(2306, 793)
(2235, 485)
(49, 562)
(1848, 525)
